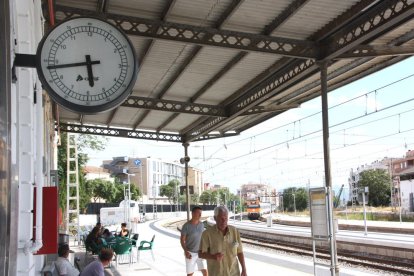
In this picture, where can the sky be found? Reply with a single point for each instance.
(369, 119)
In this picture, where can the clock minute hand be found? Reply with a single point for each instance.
(72, 65)
(89, 68)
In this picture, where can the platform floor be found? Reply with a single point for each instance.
(169, 258)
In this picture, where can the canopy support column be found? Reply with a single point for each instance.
(327, 164)
(187, 186)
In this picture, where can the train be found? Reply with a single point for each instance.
(256, 209)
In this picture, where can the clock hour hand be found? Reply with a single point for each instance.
(72, 64)
(89, 68)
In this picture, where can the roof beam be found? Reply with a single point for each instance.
(377, 51)
(269, 108)
(127, 133)
(381, 18)
(158, 29)
(175, 106)
(102, 6)
(119, 132)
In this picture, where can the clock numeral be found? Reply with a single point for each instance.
(89, 33)
(52, 41)
(124, 85)
(114, 79)
(68, 27)
(119, 65)
(89, 24)
(103, 89)
(63, 46)
(56, 61)
(115, 50)
(61, 77)
(73, 37)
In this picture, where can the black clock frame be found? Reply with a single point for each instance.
(84, 109)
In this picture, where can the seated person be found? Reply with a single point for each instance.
(93, 240)
(107, 235)
(96, 268)
(124, 231)
(63, 266)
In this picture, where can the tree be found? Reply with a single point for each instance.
(170, 190)
(378, 183)
(101, 189)
(300, 202)
(195, 199)
(119, 192)
(205, 197)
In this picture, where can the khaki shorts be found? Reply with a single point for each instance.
(190, 264)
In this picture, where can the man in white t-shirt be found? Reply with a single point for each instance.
(190, 242)
(63, 266)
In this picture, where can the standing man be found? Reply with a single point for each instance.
(220, 245)
(190, 242)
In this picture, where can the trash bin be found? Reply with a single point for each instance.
(269, 221)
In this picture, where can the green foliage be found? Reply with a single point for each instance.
(300, 200)
(171, 191)
(219, 196)
(378, 183)
(100, 188)
(195, 199)
(205, 197)
(119, 195)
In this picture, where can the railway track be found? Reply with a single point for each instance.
(362, 261)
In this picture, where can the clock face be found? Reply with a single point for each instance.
(87, 65)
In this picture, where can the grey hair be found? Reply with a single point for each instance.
(220, 209)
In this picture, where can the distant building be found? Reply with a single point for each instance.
(148, 174)
(354, 176)
(402, 174)
(195, 178)
(403, 181)
(254, 191)
(92, 172)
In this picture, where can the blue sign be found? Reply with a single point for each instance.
(137, 162)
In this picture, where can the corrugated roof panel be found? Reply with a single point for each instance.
(155, 119)
(204, 66)
(253, 16)
(159, 65)
(312, 17)
(126, 117)
(247, 69)
(181, 122)
(139, 8)
(198, 12)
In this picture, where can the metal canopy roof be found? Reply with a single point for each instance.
(214, 68)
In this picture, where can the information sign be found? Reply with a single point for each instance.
(319, 213)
